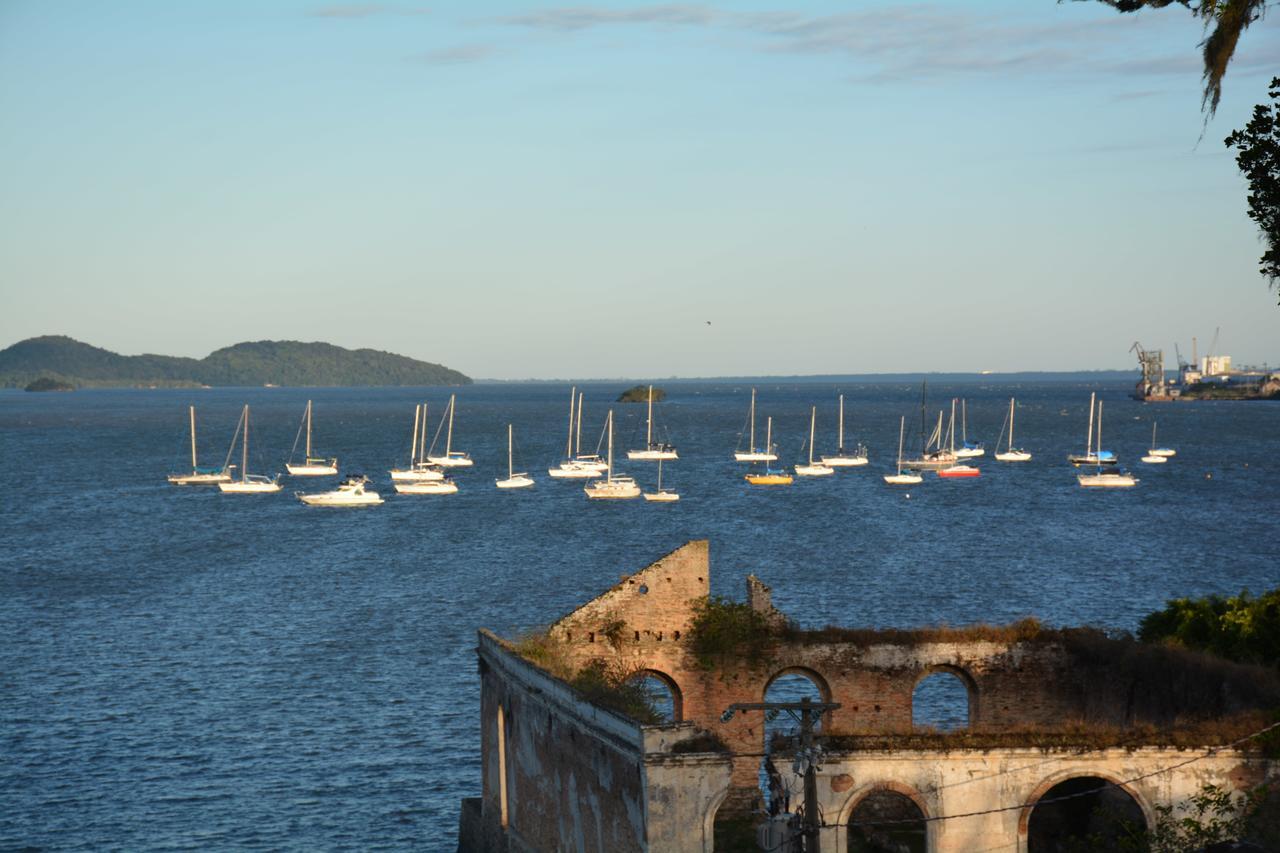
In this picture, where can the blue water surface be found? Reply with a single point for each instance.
(182, 669)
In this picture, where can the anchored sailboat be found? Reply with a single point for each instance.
(843, 458)
(1154, 455)
(1105, 479)
(652, 449)
(312, 466)
(199, 476)
(752, 454)
(419, 470)
(575, 467)
(900, 479)
(248, 483)
(1092, 457)
(451, 458)
(1010, 454)
(662, 495)
(968, 449)
(769, 477)
(957, 469)
(612, 487)
(514, 480)
(812, 470)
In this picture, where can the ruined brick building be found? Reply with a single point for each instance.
(1047, 712)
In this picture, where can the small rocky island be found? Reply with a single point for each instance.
(640, 394)
(48, 383)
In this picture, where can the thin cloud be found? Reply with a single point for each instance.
(570, 19)
(349, 10)
(459, 55)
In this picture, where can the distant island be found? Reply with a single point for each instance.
(640, 394)
(65, 361)
(48, 383)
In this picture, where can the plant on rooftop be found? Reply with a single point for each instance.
(723, 628)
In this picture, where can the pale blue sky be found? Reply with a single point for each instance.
(535, 190)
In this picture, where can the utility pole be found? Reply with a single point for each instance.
(807, 713)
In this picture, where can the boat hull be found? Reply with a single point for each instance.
(198, 479)
(814, 471)
(769, 479)
(929, 463)
(903, 479)
(844, 461)
(438, 487)
(661, 497)
(755, 456)
(312, 470)
(1106, 481)
(451, 461)
(240, 487)
(572, 472)
(1166, 452)
(1155, 460)
(970, 452)
(332, 499)
(1013, 456)
(516, 481)
(616, 489)
(652, 454)
(416, 475)
(959, 472)
(1092, 460)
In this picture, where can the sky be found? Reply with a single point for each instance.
(624, 189)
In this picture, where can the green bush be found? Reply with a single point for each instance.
(1241, 628)
(722, 628)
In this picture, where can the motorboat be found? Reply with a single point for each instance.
(653, 449)
(350, 492)
(248, 484)
(812, 469)
(845, 458)
(312, 465)
(199, 476)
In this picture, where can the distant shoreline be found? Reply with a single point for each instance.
(866, 378)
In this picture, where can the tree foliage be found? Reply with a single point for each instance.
(1224, 20)
(1241, 628)
(722, 628)
(1258, 156)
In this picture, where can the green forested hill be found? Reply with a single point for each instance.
(257, 363)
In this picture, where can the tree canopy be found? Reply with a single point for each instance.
(1258, 156)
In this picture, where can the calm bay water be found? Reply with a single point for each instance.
(184, 669)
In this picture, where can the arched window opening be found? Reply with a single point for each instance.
(779, 786)
(502, 768)
(887, 822)
(941, 702)
(790, 686)
(661, 693)
(1096, 816)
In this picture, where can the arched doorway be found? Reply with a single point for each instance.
(944, 700)
(887, 821)
(662, 693)
(1083, 813)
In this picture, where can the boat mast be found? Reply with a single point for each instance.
(659, 473)
(1099, 430)
(1153, 434)
(609, 476)
(448, 437)
(902, 431)
(509, 441)
(768, 439)
(1088, 444)
(951, 428)
(578, 440)
(648, 430)
(193, 439)
(752, 443)
(308, 431)
(413, 445)
(840, 436)
(964, 422)
(1010, 424)
(422, 441)
(568, 447)
(244, 447)
(813, 420)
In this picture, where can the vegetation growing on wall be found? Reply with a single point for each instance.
(1241, 628)
(613, 685)
(724, 629)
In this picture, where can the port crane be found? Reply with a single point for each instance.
(1151, 362)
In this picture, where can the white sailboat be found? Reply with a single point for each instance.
(1154, 456)
(312, 466)
(612, 487)
(769, 477)
(652, 449)
(933, 456)
(576, 467)
(843, 458)
(350, 492)
(900, 479)
(1105, 479)
(1092, 457)
(248, 483)
(752, 454)
(514, 480)
(812, 470)
(1010, 454)
(427, 487)
(451, 458)
(968, 449)
(662, 495)
(199, 476)
(419, 470)
(956, 469)
(1166, 452)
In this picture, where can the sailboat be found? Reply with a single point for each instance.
(1090, 457)
(901, 479)
(752, 454)
(199, 476)
(844, 459)
(514, 480)
(313, 466)
(1010, 454)
(1154, 457)
(574, 467)
(932, 454)
(350, 492)
(968, 449)
(652, 449)
(1108, 479)
(419, 469)
(248, 483)
(662, 495)
(957, 469)
(612, 487)
(451, 458)
(1166, 452)
(769, 477)
(812, 470)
